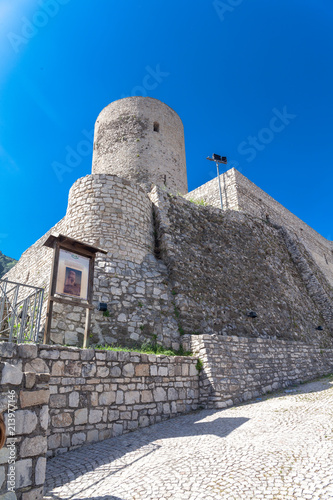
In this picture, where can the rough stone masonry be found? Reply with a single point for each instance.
(248, 289)
(175, 266)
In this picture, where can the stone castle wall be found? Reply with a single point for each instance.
(171, 266)
(225, 264)
(238, 369)
(141, 139)
(175, 267)
(209, 192)
(115, 215)
(239, 193)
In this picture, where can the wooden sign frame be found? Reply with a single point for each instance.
(60, 242)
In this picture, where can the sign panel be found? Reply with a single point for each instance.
(73, 273)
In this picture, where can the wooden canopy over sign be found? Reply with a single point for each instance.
(72, 244)
(63, 279)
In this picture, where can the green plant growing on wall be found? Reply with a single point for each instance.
(200, 202)
(181, 329)
(199, 366)
(145, 348)
(106, 314)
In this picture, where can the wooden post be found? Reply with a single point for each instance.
(90, 295)
(86, 329)
(53, 282)
(61, 242)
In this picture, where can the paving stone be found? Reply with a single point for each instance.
(279, 447)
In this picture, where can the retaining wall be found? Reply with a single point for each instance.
(223, 265)
(238, 369)
(24, 399)
(239, 193)
(67, 397)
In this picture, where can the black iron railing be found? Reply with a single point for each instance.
(20, 311)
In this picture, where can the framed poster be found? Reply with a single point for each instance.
(73, 273)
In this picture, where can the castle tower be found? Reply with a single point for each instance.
(141, 139)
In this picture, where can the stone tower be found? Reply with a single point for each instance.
(141, 139)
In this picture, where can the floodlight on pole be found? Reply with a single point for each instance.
(218, 159)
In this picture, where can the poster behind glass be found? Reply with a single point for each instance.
(73, 273)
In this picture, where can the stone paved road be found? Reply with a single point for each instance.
(277, 448)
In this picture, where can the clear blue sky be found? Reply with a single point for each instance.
(226, 67)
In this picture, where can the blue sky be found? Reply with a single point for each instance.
(227, 67)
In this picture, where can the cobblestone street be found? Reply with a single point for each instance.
(279, 447)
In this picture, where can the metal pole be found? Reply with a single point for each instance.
(2, 304)
(38, 317)
(14, 313)
(218, 176)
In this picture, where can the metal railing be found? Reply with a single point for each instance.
(20, 311)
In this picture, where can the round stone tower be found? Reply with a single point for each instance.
(141, 139)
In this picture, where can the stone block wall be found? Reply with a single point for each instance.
(223, 265)
(209, 192)
(238, 369)
(239, 193)
(175, 267)
(99, 394)
(90, 395)
(24, 400)
(111, 213)
(66, 397)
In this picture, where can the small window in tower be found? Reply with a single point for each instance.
(156, 127)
